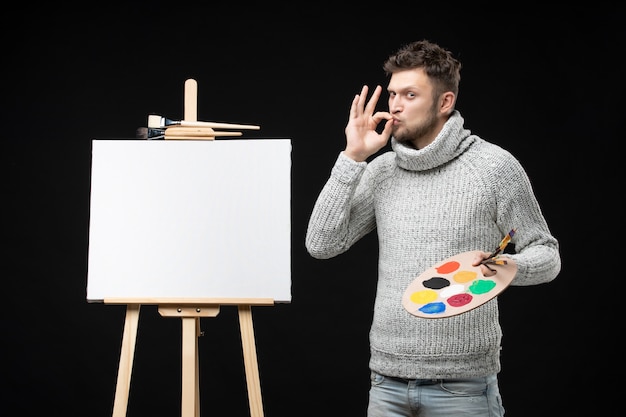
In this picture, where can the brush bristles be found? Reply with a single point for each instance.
(155, 121)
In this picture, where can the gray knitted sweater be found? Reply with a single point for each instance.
(459, 193)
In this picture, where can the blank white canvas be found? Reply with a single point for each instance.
(190, 219)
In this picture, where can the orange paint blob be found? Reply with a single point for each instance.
(448, 267)
(464, 276)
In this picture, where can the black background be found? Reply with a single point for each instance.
(545, 84)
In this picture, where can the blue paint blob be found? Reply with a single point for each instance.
(433, 308)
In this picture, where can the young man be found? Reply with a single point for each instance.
(439, 192)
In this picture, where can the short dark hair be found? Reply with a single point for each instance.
(437, 62)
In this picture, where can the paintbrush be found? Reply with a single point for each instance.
(159, 122)
(179, 132)
(148, 133)
(491, 259)
(190, 133)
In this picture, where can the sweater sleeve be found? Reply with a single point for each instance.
(343, 212)
(536, 249)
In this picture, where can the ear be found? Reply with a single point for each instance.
(446, 102)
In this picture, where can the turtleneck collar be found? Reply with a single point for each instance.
(449, 143)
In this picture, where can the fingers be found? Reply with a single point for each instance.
(358, 103)
(484, 268)
(371, 104)
(381, 115)
(480, 256)
(354, 107)
(359, 106)
(363, 95)
(487, 271)
(388, 127)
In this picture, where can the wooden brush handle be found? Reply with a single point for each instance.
(184, 132)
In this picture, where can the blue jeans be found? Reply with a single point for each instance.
(395, 397)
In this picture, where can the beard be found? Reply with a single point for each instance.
(412, 134)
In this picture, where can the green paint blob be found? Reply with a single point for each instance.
(481, 286)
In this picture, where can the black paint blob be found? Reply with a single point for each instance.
(436, 283)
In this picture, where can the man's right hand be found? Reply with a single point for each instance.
(362, 139)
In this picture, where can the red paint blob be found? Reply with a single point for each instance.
(448, 267)
(459, 300)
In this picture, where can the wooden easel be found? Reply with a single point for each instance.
(190, 311)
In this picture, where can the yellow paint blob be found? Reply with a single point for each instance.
(464, 276)
(424, 296)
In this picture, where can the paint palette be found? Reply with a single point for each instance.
(454, 286)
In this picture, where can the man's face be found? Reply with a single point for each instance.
(413, 107)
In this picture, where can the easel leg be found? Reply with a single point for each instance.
(127, 354)
(190, 317)
(250, 361)
(190, 379)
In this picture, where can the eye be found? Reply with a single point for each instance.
(411, 95)
(392, 94)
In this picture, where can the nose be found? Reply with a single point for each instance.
(395, 104)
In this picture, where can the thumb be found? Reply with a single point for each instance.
(388, 128)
